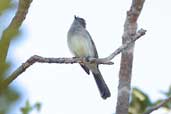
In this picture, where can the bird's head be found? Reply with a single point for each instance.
(81, 21)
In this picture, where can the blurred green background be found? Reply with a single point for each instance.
(9, 96)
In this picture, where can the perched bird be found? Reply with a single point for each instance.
(81, 44)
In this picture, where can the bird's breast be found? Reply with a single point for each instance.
(80, 46)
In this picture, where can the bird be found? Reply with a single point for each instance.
(81, 44)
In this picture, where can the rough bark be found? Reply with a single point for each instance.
(125, 74)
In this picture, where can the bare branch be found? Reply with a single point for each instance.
(140, 33)
(40, 59)
(164, 102)
(125, 74)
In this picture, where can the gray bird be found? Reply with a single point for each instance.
(81, 44)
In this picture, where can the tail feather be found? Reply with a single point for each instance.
(104, 90)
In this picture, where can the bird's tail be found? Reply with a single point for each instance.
(104, 90)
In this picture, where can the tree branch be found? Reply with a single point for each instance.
(11, 31)
(125, 74)
(164, 102)
(13, 27)
(40, 59)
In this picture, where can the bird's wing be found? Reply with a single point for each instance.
(94, 47)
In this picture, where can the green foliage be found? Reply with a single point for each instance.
(8, 96)
(140, 101)
(166, 94)
(28, 108)
(4, 5)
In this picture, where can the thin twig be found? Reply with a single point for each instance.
(40, 59)
(140, 33)
(164, 102)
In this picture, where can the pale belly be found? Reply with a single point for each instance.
(81, 47)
